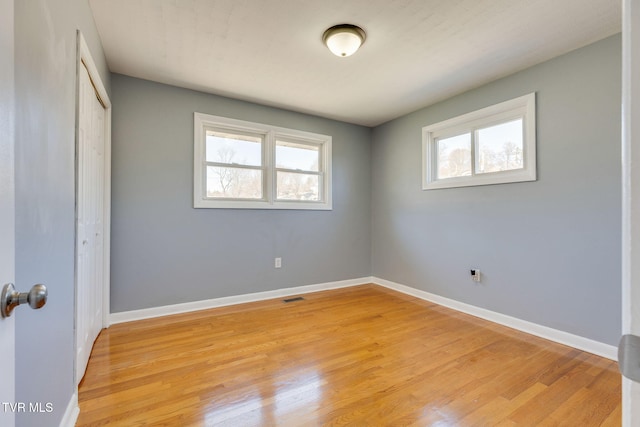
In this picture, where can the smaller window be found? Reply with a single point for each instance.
(494, 145)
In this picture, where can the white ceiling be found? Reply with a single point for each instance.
(270, 52)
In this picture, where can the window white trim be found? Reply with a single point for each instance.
(523, 107)
(271, 134)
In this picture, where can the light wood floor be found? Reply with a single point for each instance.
(363, 356)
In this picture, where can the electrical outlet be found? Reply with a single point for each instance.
(278, 263)
(475, 274)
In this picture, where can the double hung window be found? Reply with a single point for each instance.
(239, 164)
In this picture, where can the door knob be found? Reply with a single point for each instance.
(10, 298)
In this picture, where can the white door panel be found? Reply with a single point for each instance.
(7, 204)
(90, 220)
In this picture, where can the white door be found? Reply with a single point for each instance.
(631, 196)
(90, 219)
(7, 205)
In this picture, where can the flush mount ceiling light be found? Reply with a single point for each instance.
(344, 39)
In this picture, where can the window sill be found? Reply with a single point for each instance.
(281, 205)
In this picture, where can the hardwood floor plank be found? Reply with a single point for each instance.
(362, 356)
(499, 416)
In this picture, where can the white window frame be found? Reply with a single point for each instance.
(202, 122)
(523, 107)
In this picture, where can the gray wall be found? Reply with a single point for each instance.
(549, 250)
(45, 37)
(166, 252)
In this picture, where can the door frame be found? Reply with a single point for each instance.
(84, 57)
(630, 196)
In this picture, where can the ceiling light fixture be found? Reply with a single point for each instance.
(344, 39)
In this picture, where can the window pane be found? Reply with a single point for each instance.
(298, 186)
(454, 156)
(500, 147)
(234, 183)
(233, 148)
(297, 156)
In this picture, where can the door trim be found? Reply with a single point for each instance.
(630, 196)
(84, 57)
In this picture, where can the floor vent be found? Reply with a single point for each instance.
(293, 299)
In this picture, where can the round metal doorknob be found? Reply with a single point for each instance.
(10, 298)
(37, 296)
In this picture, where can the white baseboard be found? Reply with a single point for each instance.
(576, 341)
(148, 313)
(71, 413)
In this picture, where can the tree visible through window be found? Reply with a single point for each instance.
(247, 165)
(489, 146)
(234, 165)
(298, 167)
(501, 147)
(454, 156)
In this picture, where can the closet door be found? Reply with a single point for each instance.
(90, 220)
